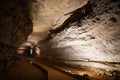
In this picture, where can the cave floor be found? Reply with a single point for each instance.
(22, 70)
(30, 69)
(53, 74)
(80, 72)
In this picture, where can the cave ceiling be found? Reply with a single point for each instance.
(49, 14)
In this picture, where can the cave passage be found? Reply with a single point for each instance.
(59, 40)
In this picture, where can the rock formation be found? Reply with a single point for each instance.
(91, 33)
(15, 26)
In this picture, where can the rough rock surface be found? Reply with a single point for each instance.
(47, 14)
(15, 26)
(91, 33)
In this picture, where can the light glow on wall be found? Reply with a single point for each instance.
(37, 51)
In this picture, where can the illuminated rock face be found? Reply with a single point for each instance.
(48, 14)
(15, 26)
(92, 36)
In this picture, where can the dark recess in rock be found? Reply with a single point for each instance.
(97, 18)
(107, 11)
(119, 6)
(115, 0)
(110, 8)
(117, 12)
(93, 21)
(113, 19)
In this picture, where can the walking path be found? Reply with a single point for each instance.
(53, 74)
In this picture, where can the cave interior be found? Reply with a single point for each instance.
(79, 39)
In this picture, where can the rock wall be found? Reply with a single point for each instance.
(49, 14)
(15, 26)
(92, 32)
